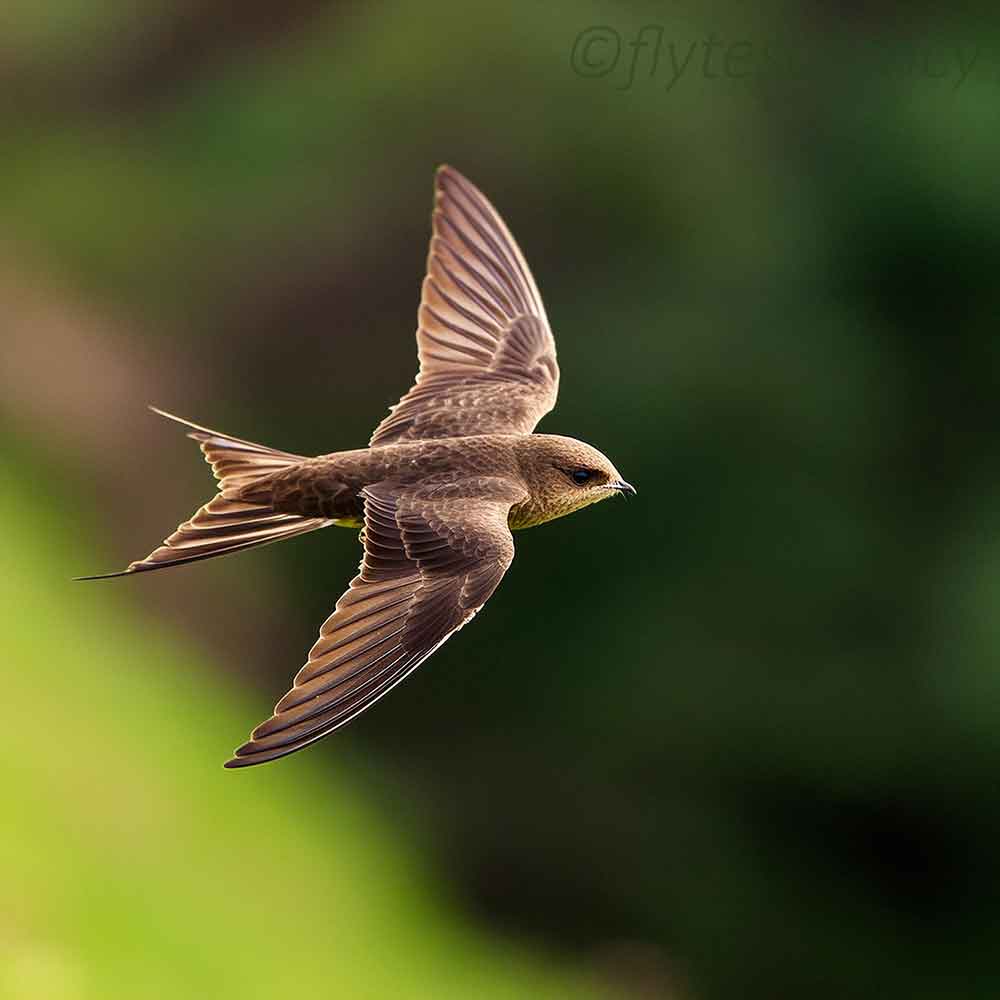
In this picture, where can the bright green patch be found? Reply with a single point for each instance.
(132, 865)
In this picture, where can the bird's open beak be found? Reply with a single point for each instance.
(622, 487)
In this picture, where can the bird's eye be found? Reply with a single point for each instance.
(580, 476)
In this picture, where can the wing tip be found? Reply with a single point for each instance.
(250, 754)
(446, 173)
(243, 756)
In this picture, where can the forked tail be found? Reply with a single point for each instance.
(237, 517)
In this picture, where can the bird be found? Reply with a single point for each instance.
(446, 478)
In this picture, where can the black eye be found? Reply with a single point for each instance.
(580, 476)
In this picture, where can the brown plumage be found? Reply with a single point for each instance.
(448, 474)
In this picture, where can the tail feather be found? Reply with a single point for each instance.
(223, 526)
(235, 462)
(238, 517)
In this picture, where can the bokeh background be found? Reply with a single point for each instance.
(739, 738)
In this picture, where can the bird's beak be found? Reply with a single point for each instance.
(622, 487)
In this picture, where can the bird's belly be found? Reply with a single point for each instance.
(348, 522)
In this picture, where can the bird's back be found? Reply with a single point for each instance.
(330, 485)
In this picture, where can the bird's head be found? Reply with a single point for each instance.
(563, 475)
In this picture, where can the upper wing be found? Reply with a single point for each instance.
(487, 356)
(431, 561)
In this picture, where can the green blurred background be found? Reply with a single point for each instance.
(739, 738)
